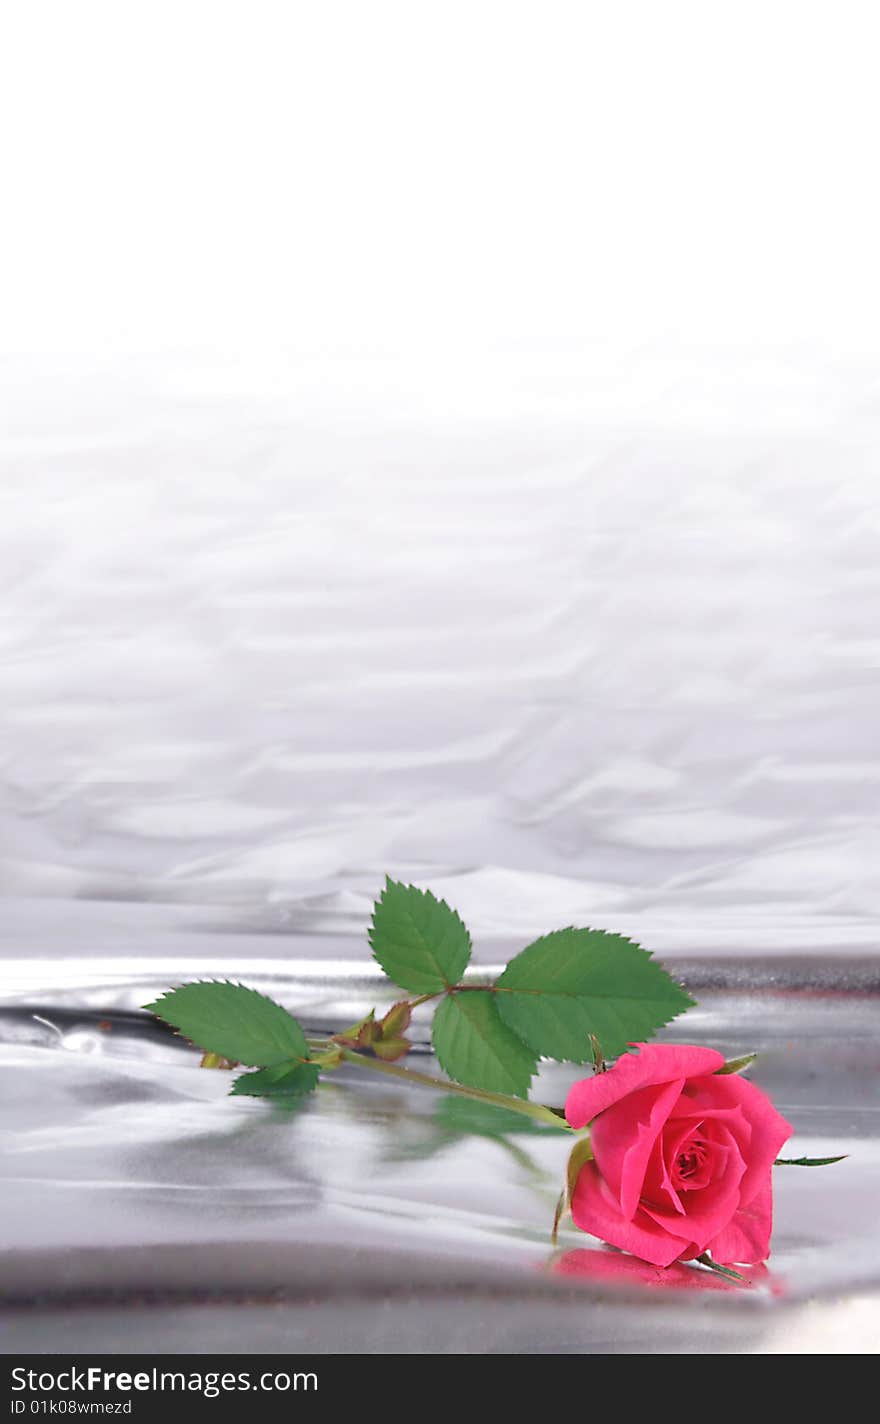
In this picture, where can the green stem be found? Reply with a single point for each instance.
(538, 1111)
(425, 999)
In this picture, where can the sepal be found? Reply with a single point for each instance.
(581, 1153)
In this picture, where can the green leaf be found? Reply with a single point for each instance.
(473, 1045)
(285, 1080)
(808, 1161)
(575, 983)
(236, 1022)
(728, 1271)
(418, 940)
(736, 1065)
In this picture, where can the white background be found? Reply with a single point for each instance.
(365, 177)
(443, 439)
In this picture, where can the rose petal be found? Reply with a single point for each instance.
(770, 1131)
(706, 1212)
(714, 1157)
(654, 1063)
(746, 1239)
(623, 1137)
(702, 1110)
(594, 1209)
(661, 1168)
(658, 1182)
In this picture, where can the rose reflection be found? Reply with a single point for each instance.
(619, 1269)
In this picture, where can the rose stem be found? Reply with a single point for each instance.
(408, 1075)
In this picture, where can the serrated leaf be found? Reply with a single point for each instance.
(418, 940)
(809, 1161)
(236, 1022)
(473, 1045)
(285, 1080)
(736, 1065)
(575, 983)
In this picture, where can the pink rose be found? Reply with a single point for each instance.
(682, 1157)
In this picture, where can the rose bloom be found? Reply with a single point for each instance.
(682, 1157)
